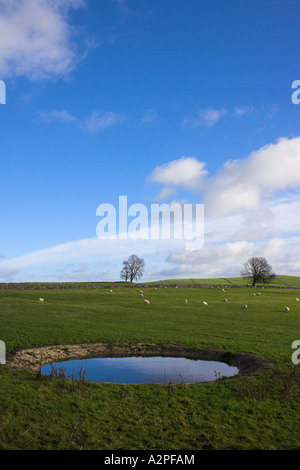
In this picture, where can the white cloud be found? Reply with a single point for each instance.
(240, 185)
(36, 38)
(186, 172)
(247, 183)
(226, 259)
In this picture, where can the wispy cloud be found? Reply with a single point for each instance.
(123, 8)
(36, 38)
(222, 255)
(242, 110)
(60, 115)
(98, 121)
(210, 117)
(149, 117)
(205, 117)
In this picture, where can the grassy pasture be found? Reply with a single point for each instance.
(279, 281)
(260, 412)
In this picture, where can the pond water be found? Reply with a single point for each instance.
(142, 369)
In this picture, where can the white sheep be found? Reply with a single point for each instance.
(223, 290)
(41, 300)
(110, 290)
(224, 300)
(185, 301)
(205, 304)
(141, 292)
(146, 301)
(141, 295)
(245, 306)
(287, 309)
(296, 299)
(258, 293)
(253, 295)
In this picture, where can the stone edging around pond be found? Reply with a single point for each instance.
(32, 359)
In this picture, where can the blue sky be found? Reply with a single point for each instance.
(167, 100)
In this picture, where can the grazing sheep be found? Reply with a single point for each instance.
(110, 290)
(185, 301)
(141, 295)
(224, 300)
(205, 304)
(223, 290)
(245, 306)
(41, 300)
(253, 295)
(146, 301)
(258, 293)
(287, 309)
(141, 292)
(296, 299)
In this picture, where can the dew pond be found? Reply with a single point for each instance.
(153, 369)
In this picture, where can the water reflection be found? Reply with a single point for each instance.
(145, 369)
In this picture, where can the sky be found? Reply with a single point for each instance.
(166, 101)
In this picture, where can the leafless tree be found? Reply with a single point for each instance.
(133, 268)
(257, 269)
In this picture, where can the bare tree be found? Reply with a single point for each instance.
(257, 269)
(133, 268)
(125, 275)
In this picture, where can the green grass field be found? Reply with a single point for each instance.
(259, 412)
(279, 281)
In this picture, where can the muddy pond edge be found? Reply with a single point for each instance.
(34, 358)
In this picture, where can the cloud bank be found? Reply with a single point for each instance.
(241, 184)
(252, 208)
